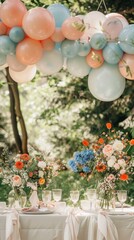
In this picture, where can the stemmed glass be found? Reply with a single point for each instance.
(91, 195)
(74, 196)
(46, 196)
(57, 194)
(122, 197)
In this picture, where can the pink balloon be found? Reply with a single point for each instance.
(38, 23)
(24, 76)
(12, 12)
(29, 51)
(120, 17)
(126, 66)
(14, 64)
(57, 36)
(95, 58)
(48, 44)
(112, 27)
(72, 28)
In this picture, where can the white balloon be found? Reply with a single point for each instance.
(24, 76)
(78, 66)
(106, 83)
(51, 62)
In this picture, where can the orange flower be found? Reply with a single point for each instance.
(24, 157)
(41, 181)
(85, 142)
(101, 140)
(108, 125)
(132, 142)
(19, 165)
(30, 174)
(101, 167)
(124, 177)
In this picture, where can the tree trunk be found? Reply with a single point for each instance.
(16, 115)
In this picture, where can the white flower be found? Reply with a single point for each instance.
(111, 161)
(122, 171)
(116, 166)
(122, 162)
(118, 145)
(108, 150)
(111, 177)
(41, 173)
(41, 164)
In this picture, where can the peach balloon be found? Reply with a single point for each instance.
(48, 44)
(95, 58)
(38, 23)
(12, 13)
(3, 28)
(29, 51)
(14, 64)
(57, 36)
(126, 66)
(73, 28)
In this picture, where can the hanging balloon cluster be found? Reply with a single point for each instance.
(95, 45)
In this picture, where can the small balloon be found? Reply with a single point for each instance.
(14, 64)
(7, 46)
(73, 28)
(112, 53)
(69, 48)
(106, 83)
(57, 36)
(126, 66)
(47, 44)
(98, 41)
(126, 39)
(95, 58)
(78, 66)
(16, 34)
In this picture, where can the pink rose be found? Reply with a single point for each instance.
(111, 177)
(116, 166)
(108, 150)
(16, 180)
(122, 171)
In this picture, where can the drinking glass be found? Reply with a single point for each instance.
(91, 195)
(122, 197)
(46, 196)
(74, 196)
(57, 194)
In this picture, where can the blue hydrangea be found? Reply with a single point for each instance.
(84, 156)
(73, 166)
(86, 169)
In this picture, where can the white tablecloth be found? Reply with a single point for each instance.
(51, 227)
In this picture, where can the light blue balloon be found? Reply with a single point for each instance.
(60, 13)
(17, 34)
(126, 39)
(112, 53)
(7, 46)
(98, 41)
(78, 66)
(84, 48)
(106, 83)
(69, 48)
(2, 59)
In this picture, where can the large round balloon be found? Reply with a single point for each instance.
(38, 23)
(126, 39)
(106, 83)
(51, 62)
(69, 48)
(112, 27)
(29, 51)
(14, 64)
(60, 13)
(12, 13)
(78, 66)
(73, 28)
(16, 34)
(7, 46)
(126, 66)
(24, 76)
(95, 58)
(84, 48)
(98, 41)
(112, 53)
(120, 17)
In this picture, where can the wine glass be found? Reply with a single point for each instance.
(122, 197)
(46, 196)
(74, 196)
(57, 194)
(91, 195)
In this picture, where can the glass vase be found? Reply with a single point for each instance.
(17, 198)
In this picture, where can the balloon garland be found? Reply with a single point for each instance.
(95, 45)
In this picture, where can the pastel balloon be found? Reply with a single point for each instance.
(14, 64)
(126, 39)
(2, 59)
(94, 21)
(98, 41)
(48, 44)
(106, 83)
(126, 66)
(3, 28)
(38, 23)
(120, 17)
(16, 34)
(84, 48)
(69, 48)
(73, 28)
(112, 27)
(60, 13)
(12, 13)
(112, 53)
(51, 62)
(7, 46)
(78, 66)
(29, 51)
(95, 58)
(24, 76)
(57, 36)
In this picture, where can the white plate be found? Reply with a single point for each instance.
(47, 211)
